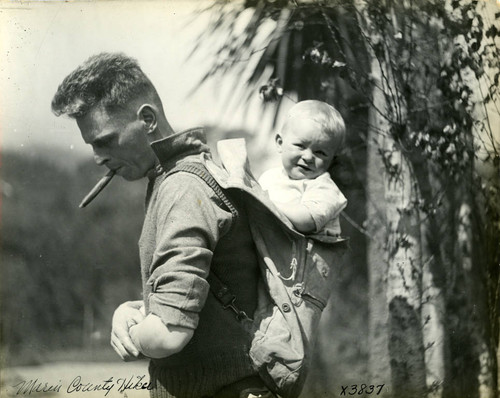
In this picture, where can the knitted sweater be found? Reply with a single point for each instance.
(185, 234)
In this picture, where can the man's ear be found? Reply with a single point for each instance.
(147, 114)
(279, 142)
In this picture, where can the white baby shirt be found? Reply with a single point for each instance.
(320, 196)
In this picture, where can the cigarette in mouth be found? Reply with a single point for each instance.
(101, 184)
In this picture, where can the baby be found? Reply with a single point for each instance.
(301, 188)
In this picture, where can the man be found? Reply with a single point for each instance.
(197, 348)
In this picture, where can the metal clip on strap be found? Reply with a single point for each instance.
(240, 315)
(225, 296)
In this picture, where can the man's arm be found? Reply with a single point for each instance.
(189, 223)
(154, 339)
(134, 334)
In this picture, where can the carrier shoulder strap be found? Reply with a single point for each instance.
(201, 171)
(218, 288)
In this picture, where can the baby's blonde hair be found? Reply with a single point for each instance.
(325, 115)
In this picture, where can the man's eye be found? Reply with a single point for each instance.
(103, 142)
(321, 153)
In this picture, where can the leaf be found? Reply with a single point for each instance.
(338, 64)
(492, 32)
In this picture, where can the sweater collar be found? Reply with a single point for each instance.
(176, 147)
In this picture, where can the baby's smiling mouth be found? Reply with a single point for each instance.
(304, 167)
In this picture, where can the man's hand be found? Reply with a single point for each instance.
(126, 315)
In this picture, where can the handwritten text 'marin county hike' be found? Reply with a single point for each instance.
(28, 387)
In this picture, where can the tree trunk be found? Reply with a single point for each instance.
(379, 367)
(412, 336)
(403, 270)
(433, 316)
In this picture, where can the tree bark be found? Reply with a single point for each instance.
(379, 367)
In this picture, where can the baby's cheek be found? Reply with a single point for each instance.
(320, 164)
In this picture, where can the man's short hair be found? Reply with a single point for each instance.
(325, 115)
(108, 79)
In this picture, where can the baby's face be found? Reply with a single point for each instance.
(306, 150)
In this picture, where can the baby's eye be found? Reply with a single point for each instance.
(298, 145)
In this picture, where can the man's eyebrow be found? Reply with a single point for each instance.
(104, 139)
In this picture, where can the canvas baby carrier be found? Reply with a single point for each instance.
(297, 274)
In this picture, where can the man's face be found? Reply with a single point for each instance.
(306, 151)
(118, 140)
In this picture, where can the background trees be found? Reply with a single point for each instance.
(63, 270)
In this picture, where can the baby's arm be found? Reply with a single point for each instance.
(299, 215)
(154, 339)
(324, 201)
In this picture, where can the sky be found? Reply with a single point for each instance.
(41, 42)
